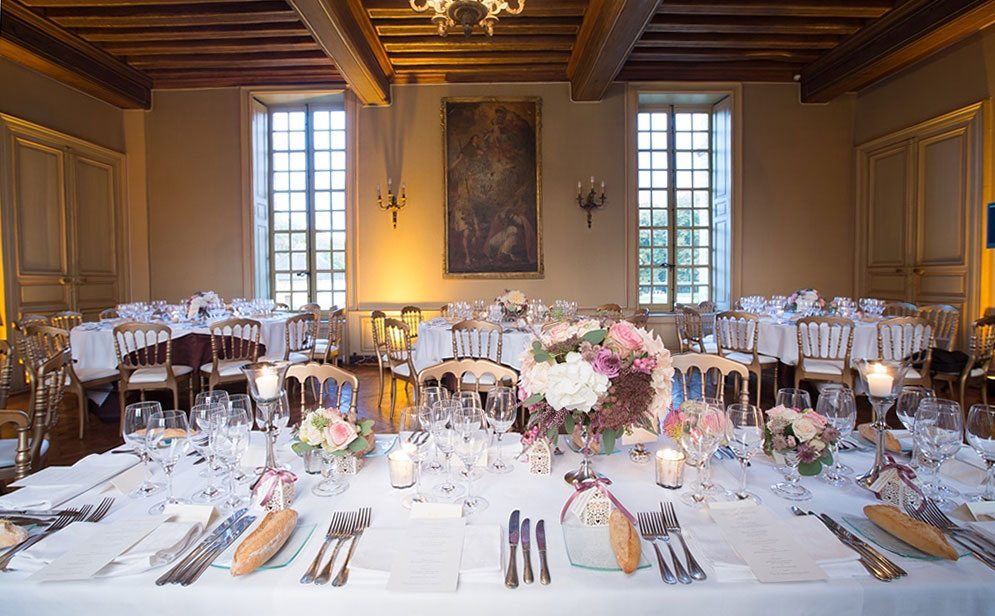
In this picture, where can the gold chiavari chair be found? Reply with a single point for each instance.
(444, 311)
(412, 317)
(377, 320)
(944, 319)
(300, 337)
(824, 348)
(707, 366)
(311, 308)
(234, 343)
(706, 306)
(640, 317)
(400, 359)
(321, 374)
(736, 335)
(67, 319)
(47, 340)
(479, 375)
(900, 309)
(333, 348)
(31, 319)
(908, 338)
(608, 312)
(145, 359)
(691, 333)
(108, 313)
(979, 359)
(21, 456)
(478, 340)
(6, 372)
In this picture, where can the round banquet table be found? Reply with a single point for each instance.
(435, 344)
(780, 340)
(932, 587)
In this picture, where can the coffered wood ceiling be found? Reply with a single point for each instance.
(120, 49)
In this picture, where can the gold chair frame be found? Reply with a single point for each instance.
(139, 346)
(810, 348)
(108, 313)
(737, 331)
(400, 359)
(900, 309)
(688, 363)
(944, 320)
(917, 347)
(67, 319)
(980, 350)
(640, 317)
(6, 372)
(231, 340)
(412, 317)
(478, 340)
(377, 320)
(690, 331)
(322, 373)
(300, 336)
(335, 342)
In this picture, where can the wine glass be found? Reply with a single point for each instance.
(469, 399)
(218, 396)
(838, 406)
(203, 418)
(428, 395)
(417, 444)
(793, 398)
(939, 431)
(906, 407)
(470, 444)
(136, 419)
(166, 440)
(441, 420)
(230, 441)
(980, 429)
(747, 440)
(501, 408)
(243, 402)
(703, 429)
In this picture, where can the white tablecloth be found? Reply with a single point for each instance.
(93, 343)
(780, 340)
(435, 344)
(931, 588)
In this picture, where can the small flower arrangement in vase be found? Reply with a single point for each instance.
(198, 304)
(804, 299)
(513, 304)
(805, 440)
(340, 440)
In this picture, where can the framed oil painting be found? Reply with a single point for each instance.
(493, 176)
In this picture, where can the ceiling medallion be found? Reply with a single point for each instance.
(467, 13)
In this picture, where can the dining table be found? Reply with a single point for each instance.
(932, 587)
(435, 343)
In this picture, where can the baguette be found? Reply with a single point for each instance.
(264, 542)
(624, 540)
(890, 442)
(11, 534)
(917, 534)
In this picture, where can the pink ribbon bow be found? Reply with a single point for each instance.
(906, 474)
(277, 476)
(601, 484)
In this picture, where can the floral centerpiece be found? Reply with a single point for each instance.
(805, 440)
(810, 296)
(334, 434)
(514, 303)
(604, 381)
(198, 304)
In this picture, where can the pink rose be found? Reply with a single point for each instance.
(624, 336)
(646, 365)
(338, 435)
(607, 362)
(817, 419)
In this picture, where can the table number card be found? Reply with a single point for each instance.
(760, 539)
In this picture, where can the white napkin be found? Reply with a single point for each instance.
(51, 487)
(965, 467)
(837, 560)
(985, 528)
(481, 549)
(159, 547)
(40, 498)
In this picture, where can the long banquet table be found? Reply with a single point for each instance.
(931, 588)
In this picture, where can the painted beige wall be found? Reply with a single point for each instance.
(194, 193)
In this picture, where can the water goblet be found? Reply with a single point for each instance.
(444, 435)
(793, 398)
(204, 419)
(409, 425)
(243, 402)
(166, 440)
(332, 482)
(230, 441)
(427, 397)
(837, 404)
(906, 407)
(939, 431)
(469, 446)
(136, 420)
(218, 396)
(501, 408)
(703, 428)
(746, 441)
(980, 430)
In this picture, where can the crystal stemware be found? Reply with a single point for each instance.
(703, 428)
(746, 441)
(501, 407)
(243, 402)
(166, 440)
(906, 407)
(469, 446)
(218, 396)
(793, 398)
(203, 420)
(444, 435)
(230, 441)
(136, 420)
(980, 429)
(939, 431)
(837, 404)
(427, 397)
(332, 482)
(410, 425)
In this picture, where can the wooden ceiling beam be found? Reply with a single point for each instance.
(220, 78)
(607, 35)
(393, 9)
(912, 31)
(651, 40)
(171, 20)
(226, 61)
(344, 31)
(224, 31)
(211, 46)
(48, 4)
(520, 26)
(475, 44)
(39, 44)
(449, 59)
(794, 56)
(788, 8)
(753, 25)
(688, 71)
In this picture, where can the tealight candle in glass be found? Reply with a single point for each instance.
(401, 466)
(669, 468)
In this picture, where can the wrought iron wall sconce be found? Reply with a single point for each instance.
(391, 202)
(592, 200)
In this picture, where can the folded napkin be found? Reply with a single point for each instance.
(158, 548)
(53, 486)
(481, 549)
(40, 498)
(987, 529)
(965, 467)
(837, 560)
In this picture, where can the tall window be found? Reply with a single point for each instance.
(307, 188)
(675, 205)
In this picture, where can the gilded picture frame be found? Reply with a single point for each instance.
(492, 171)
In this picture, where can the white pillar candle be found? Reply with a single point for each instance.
(401, 467)
(669, 468)
(879, 382)
(268, 385)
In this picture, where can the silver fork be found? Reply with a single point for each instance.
(961, 539)
(673, 525)
(647, 531)
(101, 510)
(61, 522)
(333, 526)
(342, 533)
(943, 522)
(661, 528)
(362, 524)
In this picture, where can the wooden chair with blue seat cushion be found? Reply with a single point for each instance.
(145, 359)
(22, 455)
(234, 343)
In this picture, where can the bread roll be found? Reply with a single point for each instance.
(625, 541)
(917, 534)
(890, 442)
(264, 542)
(11, 534)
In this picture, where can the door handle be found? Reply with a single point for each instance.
(65, 280)
(918, 271)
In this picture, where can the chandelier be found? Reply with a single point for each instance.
(467, 13)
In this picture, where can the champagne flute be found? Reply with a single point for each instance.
(747, 440)
(203, 420)
(501, 408)
(980, 429)
(136, 419)
(166, 439)
(428, 395)
(838, 406)
(938, 434)
(445, 440)
(409, 424)
(469, 447)
(906, 407)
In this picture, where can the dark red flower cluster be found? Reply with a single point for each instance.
(629, 395)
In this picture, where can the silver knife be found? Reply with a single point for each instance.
(851, 538)
(526, 557)
(203, 546)
(219, 546)
(511, 580)
(541, 544)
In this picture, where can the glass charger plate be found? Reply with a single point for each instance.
(870, 531)
(295, 543)
(382, 446)
(589, 547)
